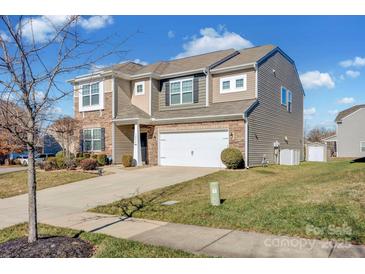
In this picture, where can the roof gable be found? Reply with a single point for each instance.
(347, 112)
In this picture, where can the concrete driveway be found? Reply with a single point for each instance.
(78, 197)
(11, 169)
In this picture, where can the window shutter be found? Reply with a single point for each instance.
(167, 93)
(196, 90)
(81, 140)
(102, 139)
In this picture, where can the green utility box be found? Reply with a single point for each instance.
(215, 198)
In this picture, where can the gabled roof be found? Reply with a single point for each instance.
(247, 56)
(347, 112)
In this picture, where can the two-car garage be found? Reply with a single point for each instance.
(193, 148)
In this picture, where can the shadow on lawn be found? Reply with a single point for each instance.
(358, 160)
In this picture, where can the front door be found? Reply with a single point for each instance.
(144, 147)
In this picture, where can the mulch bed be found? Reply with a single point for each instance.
(46, 247)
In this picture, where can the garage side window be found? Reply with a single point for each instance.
(362, 146)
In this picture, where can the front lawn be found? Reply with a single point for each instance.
(313, 200)
(15, 183)
(105, 246)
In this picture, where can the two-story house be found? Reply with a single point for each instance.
(184, 112)
(350, 132)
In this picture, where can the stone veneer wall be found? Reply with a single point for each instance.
(96, 119)
(236, 134)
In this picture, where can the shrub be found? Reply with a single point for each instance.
(94, 156)
(87, 155)
(59, 154)
(127, 160)
(89, 164)
(79, 154)
(78, 160)
(232, 158)
(50, 164)
(102, 159)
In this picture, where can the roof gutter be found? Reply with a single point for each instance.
(232, 68)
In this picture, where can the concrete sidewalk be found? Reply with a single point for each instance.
(208, 241)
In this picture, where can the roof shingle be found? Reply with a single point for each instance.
(347, 112)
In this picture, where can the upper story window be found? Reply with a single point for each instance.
(362, 146)
(233, 83)
(287, 98)
(91, 97)
(181, 91)
(139, 88)
(92, 139)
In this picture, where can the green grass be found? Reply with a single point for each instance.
(106, 246)
(284, 200)
(15, 183)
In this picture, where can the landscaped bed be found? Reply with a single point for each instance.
(59, 242)
(15, 183)
(313, 200)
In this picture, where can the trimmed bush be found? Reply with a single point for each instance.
(87, 155)
(78, 160)
(94, 156)
(50, 164)
(59, 154)
(79, 154)
(127, 160)
(89, 164)
(232, 158)
(102, 159)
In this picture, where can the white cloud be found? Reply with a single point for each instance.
(355, 62)
(43, 28)
(333, 111)
(346, 100)
(139, 61)
(171, 34)
(353, 73)
(310, 111)
(4, 36)
(210, 39)
(316, 79)
(96, 22)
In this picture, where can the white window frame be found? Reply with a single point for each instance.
(181, 92)
(362, 146)
(289, 100)
(92, 139)
(281, 96)
(100, 106)
(136, 93)
(232, 84)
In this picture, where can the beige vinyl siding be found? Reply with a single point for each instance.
(155, 95)
(250, 93)
(141, 101)
(350, 133)
(123, 94)
(123, 142)
(270, 121)
(201, 100)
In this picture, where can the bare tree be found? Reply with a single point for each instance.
(317, 134)
(63, 130)
(30, 74)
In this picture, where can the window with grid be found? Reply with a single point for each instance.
(92, 139)
(181, 92)
(90, 95)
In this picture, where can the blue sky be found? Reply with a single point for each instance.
(328, 50)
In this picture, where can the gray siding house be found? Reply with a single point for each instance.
(350, 132)
(186, 111)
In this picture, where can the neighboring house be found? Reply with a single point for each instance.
(350, 132)
(184, 112)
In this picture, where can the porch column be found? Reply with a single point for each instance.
(137, 154)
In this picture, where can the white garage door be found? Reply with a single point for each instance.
(200, 149)
(316, 154)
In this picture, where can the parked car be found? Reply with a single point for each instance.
(38, 158)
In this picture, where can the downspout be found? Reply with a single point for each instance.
(113, 116)
(206, 72)
(245, 118)
(150, 99)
